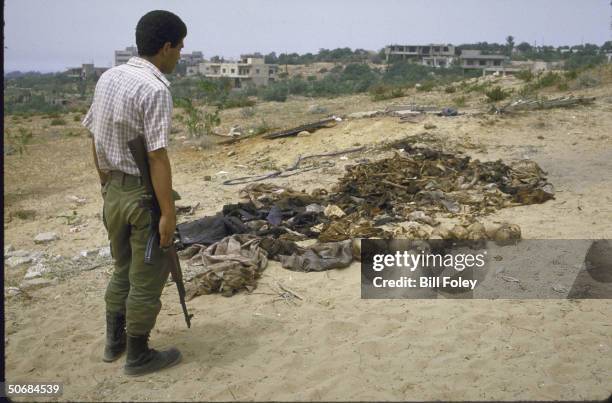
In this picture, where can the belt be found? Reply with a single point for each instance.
(125, 179)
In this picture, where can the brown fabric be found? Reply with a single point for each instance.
(234, 263)
(320, 257)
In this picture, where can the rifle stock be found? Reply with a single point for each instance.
(139, 152)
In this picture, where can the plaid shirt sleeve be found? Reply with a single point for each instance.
(88, 120)
(157, 117)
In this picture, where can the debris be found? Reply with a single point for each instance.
(76, 199)
(295, 168)
(16, 253)
(37, 283)
(231, 153)
(187, 210)
(361, 115)
(46, 237)
(36, 271)
(429, 126)
(315, 208)
(303, 133)
(533, 104)
(309, 127)
(15, 261)
(104, 252)
(314, 109)
(448, 112)
(560, 288)
(510, 279)
(235, 131)
(13, 291)
(333, 211)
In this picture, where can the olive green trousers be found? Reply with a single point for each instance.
(135, 287)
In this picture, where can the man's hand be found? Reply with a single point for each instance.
(161, 178)
(167, 225)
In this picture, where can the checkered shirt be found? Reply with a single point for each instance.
(130, 100)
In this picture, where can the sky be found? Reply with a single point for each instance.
(52, 35)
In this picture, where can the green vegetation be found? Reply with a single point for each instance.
(459, 101)
(58, 122)
(20, 140)
(382, 92)
(497, 94)
(199, 122)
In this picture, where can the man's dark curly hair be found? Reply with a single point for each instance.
(157, 27)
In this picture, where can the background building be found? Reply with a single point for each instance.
(435, 55)
(122, 56)
(250, 70)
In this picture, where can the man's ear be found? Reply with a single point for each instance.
(167, 46)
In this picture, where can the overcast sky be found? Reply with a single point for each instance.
(51, 35)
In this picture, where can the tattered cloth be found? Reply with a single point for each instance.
(236, 262)
(233, 263)
(319, 257)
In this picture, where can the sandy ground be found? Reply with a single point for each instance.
(332, 345)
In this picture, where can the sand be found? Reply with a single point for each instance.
(332, 345)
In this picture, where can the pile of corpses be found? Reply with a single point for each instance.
(397, 197)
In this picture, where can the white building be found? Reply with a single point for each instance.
(122, 56)
(249, 70)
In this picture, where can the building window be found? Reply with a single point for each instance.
(270, 72)
(497, 63)
(223, 71)
(257, 71)
(470, 62)
(446, 48)
(436, 49)
(412, 49)
(482, 62)
(233, 71)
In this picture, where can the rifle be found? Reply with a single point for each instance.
(139, 152)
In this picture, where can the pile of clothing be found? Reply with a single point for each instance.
(229, 251)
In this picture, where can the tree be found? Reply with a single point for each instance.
(524, 47)
(509, 44)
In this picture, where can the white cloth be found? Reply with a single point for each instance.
(130, 100)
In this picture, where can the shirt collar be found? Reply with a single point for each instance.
(145, 64)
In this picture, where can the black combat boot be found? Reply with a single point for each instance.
(143, 360)
(115, 336)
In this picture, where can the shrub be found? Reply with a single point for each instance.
(382, 92)
(58, 122)
(548, 80)
(323, 70)
(450, 89)
(562, 86)
(571, 74)
(337, 69)
(426, 86)
(21, 140)
(237, 102)
(262, 128)
(459, 101)
(587, 81)
(247, 112)
(77, 118)
(275, 92)
(525, 75)
(497, 94)
(477, 87)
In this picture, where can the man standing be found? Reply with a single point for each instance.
(134, 100)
